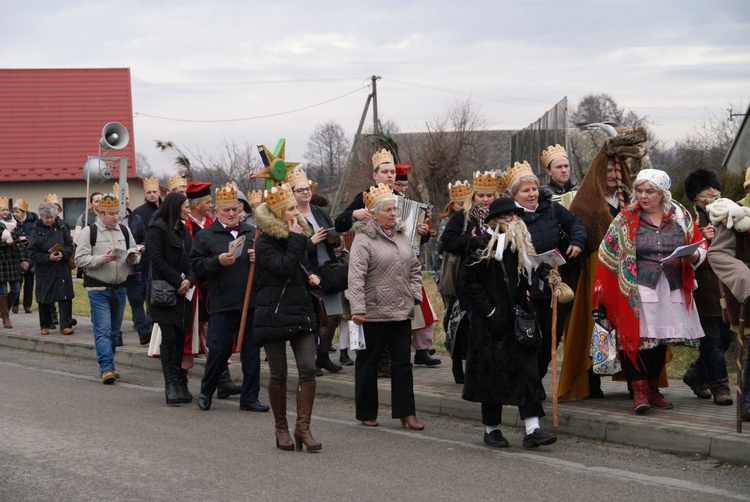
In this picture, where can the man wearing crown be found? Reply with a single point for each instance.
(562, 188)
(152, 201)
(177, 183)
(107, 269)
(226, 278)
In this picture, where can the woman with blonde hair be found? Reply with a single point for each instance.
(284, 310)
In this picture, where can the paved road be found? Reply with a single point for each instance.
(65, 436)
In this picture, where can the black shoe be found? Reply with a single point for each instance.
(538, 438)
(324, 361)
(204, 402)
(52, 326)
(27, 310)
(384, 370)
(318, 372)
(119, 340)
(73, 322)
(144, 338)
(431, 351)
(495, 439)
(332, 348)
(423, 357)
(256, 406)
(228, 389)
(344, 358)
(745, 415)
(14, 309)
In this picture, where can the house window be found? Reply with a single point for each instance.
(73, 207)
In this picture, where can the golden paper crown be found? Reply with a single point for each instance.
(176, 180)
(116, 188)
(21, 204)
(255, 197)
(5, 202)
(375, 194)
(459, 191)
(489, 182)
(513, 173)
(295, 176)
(109, 202)
(279, 197)
(381, 157)
(52, 199)
(551, 153)
(313, 186)
(226, 195)
(150, 184)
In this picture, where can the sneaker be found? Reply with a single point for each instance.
(495, 439)
(108, 377)
(538, 438)
(723, 397)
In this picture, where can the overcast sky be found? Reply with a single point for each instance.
(203, 71)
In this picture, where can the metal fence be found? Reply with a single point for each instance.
(551, 128)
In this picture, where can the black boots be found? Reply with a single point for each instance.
(423, 357)
(226, 386)
(171, 368)
(324, 361)
(344, 358)
(182, 384)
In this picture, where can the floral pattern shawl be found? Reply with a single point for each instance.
(616, 279)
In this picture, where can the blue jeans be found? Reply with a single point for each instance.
(15, 288)
(107, 308)
(710, 367)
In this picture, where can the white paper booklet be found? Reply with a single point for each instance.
(236, 246)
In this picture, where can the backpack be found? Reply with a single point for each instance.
(94, 230)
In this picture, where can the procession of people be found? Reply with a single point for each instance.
(210, 272)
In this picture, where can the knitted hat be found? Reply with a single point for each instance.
(699, 180)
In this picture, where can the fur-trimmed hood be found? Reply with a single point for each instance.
(371, 229)
(274, 227)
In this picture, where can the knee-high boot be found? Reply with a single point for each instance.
(302, 434)
(171, 388)
(4, 315)
(277, 397)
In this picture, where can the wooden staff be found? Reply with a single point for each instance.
(553, 350)
(740, 346)
(248, 290)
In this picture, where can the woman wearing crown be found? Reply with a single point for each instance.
(546, 221)
(385, 283)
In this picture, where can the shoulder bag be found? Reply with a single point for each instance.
(526, 330)
(451, 262)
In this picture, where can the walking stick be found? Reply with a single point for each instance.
(246, 301)
(740, 347)
(553, 350)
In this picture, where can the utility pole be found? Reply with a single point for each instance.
(375, 120)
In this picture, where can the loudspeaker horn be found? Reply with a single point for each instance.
(114, 136)
(96, 170)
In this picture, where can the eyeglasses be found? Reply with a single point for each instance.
(303, 190)
(510, 216)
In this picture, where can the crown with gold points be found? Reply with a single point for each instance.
(5, 202)
(176, 180)
(116, 188)
(21, 204)
(459, 191)
(381, 157)
(255, 198)
(487, 182)
(313, 186)
(151, 183)
(375, 194)
(551, 153)
(293, 178)
(109, 202)
(279, 197)
(52, 199)
(513, 173)
(226, 195)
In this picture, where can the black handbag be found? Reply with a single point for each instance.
(526, 328)
(334, 277)
(163, 294)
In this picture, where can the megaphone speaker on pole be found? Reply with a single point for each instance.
(114, 136)
(96, 170)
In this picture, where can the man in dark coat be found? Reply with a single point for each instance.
(146, 211)
(226, 276)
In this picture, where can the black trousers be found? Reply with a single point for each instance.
(222, 328)
(66, 314)
(650, 364)
(492, 413)
(28, 290)
(396, 335)
(544, 317)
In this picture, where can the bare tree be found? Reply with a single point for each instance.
(326, 155)
(143, 167)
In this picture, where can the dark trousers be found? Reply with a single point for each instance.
(711, 365)
(492, 413)
(303, 347)
(172, 342)
(66, 314)
(650, 364)
(134, 289)
(28, 291)
(544, 317)
(222, 329)
(396, 335)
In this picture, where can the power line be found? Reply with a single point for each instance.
(466, 93)
(247, 82)
(256, 117)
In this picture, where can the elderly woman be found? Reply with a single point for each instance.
(284, 310)
(385, 282)
(546, 221)
(649, 298)
(50, 248)
(320, 254)
(499, 370)
(464, 226)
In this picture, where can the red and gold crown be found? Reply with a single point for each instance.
(381, 157)
(459, 191)
(489, 182)
(551, 153)
(116, 188)
(175, 181)
(52, 199)
(151, 183)
(21, 204)
(513, 173)
(255, 197)
(109, 202)
(226, 195)
(279, 197)
(296, 176)
(373, 195)
(5, 202)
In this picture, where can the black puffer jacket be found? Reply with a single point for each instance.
(169, 260)
(54, 282)
(283, 307)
